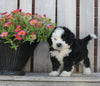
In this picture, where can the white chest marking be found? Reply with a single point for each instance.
(60, 54)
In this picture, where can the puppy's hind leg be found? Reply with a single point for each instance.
(86, 67)
(55, 67)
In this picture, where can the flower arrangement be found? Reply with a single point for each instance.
(19, 27)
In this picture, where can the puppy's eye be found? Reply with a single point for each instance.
(55, 39)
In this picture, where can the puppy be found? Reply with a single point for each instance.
(66, 51)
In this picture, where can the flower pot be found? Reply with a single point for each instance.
(12, 62)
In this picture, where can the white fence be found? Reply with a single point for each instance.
(64, 12)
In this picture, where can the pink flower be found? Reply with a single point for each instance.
(14, 11)
(33, 33)
(44, 15)
(4, 34)
(17, 37)
(30, 14)
(8, 16)
(7, 24)
(33, 22)
(22, 33)
(20, 10)
(50, 26)
(17, 28)
(38, 25)
(4, 13)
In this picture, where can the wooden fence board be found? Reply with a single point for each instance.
(41, 59)
(8, 5)
(66, 14)
(87, 25)
(46, 7)
(98, 57)
(26, 6)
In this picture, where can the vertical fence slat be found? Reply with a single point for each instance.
(26, 6)
(41, 59)
(87, 25)
(46, 7)
(98, 57)
(8, 5)
(66, 14)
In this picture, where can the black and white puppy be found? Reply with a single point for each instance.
(66, 51)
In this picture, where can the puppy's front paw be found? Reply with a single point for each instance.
(54, 73)
(65, 73)
(87, 71)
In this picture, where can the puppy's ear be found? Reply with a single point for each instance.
(64, 27)
(49, 40)
(68, 35)
(69, 32)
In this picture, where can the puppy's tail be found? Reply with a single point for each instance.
(88, 38)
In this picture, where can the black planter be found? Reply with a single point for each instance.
(12, 62)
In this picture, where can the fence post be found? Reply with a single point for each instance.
(41, 59)
(98, 57)
(87, 25)
(66, 14)
(8, 5)
(26, 6)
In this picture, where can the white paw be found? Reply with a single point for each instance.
(65, 73)
(54, 73)
(87, 71)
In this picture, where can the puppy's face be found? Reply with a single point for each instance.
(61, 38)
(57, 42)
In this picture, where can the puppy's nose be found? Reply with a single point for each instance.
(58, 44)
